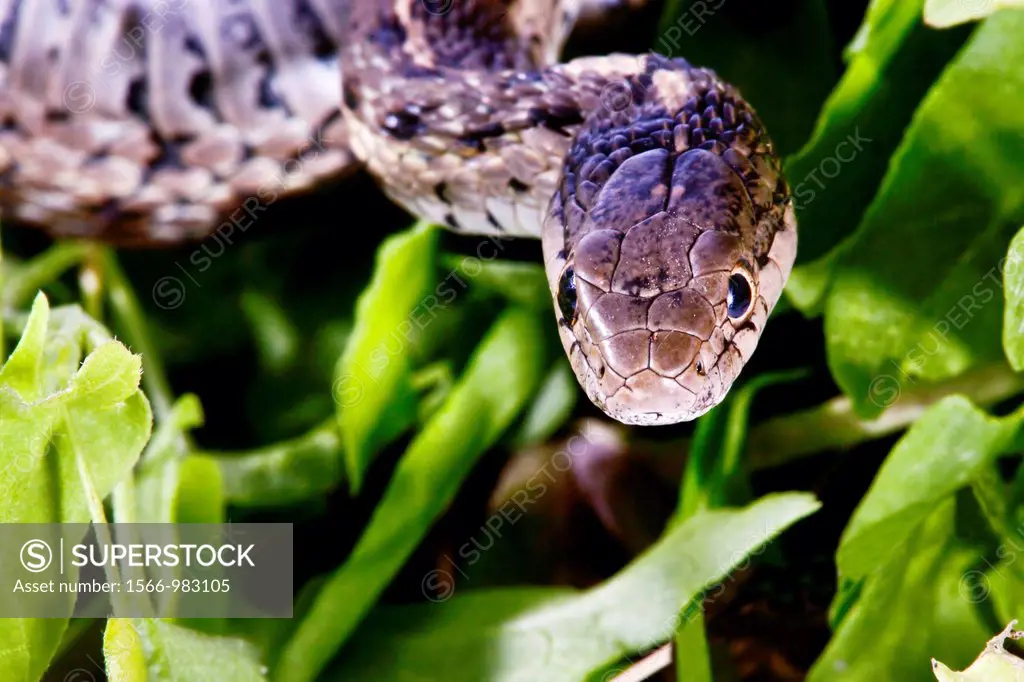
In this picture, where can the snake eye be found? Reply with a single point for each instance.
(741, 295)
(567, 295)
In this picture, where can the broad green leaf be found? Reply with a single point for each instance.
(285, 473)
(891, 62)
(99, 415)
(945, 13)
(916, 294)
(148, 650)
(779, 56)
(911, 607)
(942, 452)
(58, 421)
(994, 664)
(518, 635)
(1013, 289)
(371, 381)
(501, 376)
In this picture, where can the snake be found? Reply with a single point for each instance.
(666, 224)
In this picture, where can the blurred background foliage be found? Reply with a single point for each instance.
(463, 513)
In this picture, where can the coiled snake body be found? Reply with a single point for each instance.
(667, 227)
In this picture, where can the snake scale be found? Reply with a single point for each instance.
(666, 224)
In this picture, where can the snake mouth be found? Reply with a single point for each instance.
(648, 398)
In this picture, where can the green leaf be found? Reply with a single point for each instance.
(507, 635)
(109, 375)
(168, 442)
(22, 372)
(148, 650)
(945, 13)
(63, 435)
(522, 283)
(892, 61)
(372, 379)
(122, 652)
(98, 415)
(501, 376)
(284, 473)
(157, 478)
(1013, 316)
(277, 339)
(942, 452)
(200, 496)
(555, 401)
(910, 608)
(913, 294)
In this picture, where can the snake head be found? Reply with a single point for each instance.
(664, 275)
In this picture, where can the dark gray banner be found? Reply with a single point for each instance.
(156, 570)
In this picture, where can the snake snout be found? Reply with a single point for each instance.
(658, 359)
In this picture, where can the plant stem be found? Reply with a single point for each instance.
(41, 270)
(90, 282)
(102, 528)
(128, 314)
(647, 667)
(835, 426)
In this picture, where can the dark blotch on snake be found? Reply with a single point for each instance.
(268, 98)
(350, 95)
(556, 118)
(193, 46)
(200, 89)
(138, 97)
(492, 129)
(309, 24)
(439, 190)
(418, 71)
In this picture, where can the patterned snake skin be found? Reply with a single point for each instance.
(142, 121)
(667, 227)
